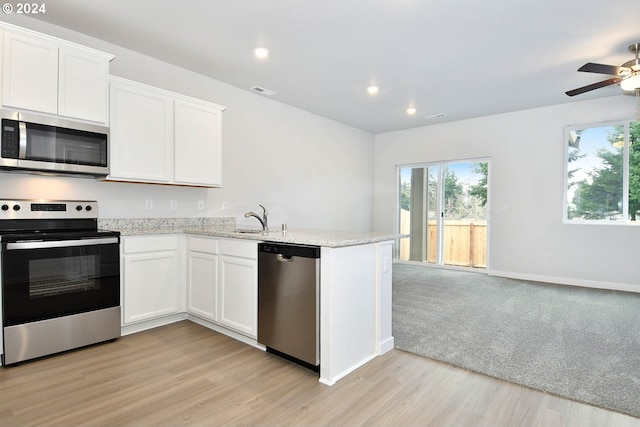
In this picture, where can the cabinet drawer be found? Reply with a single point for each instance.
(201, 244)
(134, 244)
(239, 248)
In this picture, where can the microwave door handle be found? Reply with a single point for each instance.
(44, 244)
(22, 153)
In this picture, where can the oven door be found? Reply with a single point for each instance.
(54, 278)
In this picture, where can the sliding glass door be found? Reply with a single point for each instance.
(443, 209)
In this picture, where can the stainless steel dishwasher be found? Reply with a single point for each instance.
(289, 303)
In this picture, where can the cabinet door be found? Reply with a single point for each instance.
(198, 147)
(141, 133)
(239, 294)
(30, 73)
(151, 285)
(202, 285)
(83, 85)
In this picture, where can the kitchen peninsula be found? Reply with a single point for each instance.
(355, 290)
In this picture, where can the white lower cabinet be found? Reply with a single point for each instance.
(222, 282)
(152, 277)
(202, 277)
(239, 294)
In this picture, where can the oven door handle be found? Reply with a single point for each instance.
(44, 244)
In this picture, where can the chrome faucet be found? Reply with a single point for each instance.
(263, 220)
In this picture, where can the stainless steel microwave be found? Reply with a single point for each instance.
(48, 144)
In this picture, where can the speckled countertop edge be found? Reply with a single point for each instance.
(226, 227)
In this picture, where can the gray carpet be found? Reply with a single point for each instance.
(578, 343)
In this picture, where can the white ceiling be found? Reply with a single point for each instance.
(465, 58)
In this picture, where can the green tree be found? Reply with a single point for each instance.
(453, 191)
(603, 197)
(405, 195)
(634, 170)
(480, 189)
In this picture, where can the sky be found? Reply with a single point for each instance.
(591, 140)
(463, 170)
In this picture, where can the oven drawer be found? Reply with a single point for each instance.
(138, 244)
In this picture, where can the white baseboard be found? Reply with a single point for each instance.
(228, 332)
(386, 346)
(331, 381)
(162, 321)
(150, 324)
(565, 281)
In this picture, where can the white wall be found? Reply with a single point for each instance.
(308, 171)
(526, 192)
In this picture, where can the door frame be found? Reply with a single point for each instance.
(440, 195)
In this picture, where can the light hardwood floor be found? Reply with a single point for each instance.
(186, 375)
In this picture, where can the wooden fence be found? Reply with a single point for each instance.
(464, 241)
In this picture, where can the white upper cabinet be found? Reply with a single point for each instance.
(48, 75)
(198, 143)
(162, 137)
(30, 73)
(141, 147)
(83, 85)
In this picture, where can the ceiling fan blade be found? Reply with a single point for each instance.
(613, 70)
(593, 86)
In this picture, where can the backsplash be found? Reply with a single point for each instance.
(140, 223)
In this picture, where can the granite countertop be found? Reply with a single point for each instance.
(225, 228)
(328, 238)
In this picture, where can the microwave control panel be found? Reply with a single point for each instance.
(10, 139)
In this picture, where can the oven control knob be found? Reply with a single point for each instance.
(16, 207)
(79, 208)
(88, 208)
(5, 207)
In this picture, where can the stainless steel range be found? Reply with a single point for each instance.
(60, 278)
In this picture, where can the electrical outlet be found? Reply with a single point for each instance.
(200, 204)
(547, 258)
(148, 204)
(174, 204)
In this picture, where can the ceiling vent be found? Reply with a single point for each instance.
(436, 116)
(262, 91)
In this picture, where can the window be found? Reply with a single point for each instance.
(602, 178)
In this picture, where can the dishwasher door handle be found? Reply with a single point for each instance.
(284, 258)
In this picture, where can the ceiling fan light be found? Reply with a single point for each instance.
(631, 83)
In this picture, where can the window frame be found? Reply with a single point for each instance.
(624, 221)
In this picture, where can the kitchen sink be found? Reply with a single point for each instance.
(249, 231)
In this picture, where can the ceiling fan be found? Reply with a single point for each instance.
(628, 74)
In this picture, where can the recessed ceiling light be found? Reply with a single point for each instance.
(373, 90)
(411, 111)
(261, 52)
